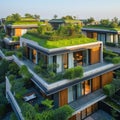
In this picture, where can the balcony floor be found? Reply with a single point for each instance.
(86, 101)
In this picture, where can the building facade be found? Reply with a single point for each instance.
(104, 35)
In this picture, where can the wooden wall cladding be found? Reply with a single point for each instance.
(95, 35)
(106, 78)
(18, 32)
(72, 118)
(95, 55)
(63, 97)
(96, 83)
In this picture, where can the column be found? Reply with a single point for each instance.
(70, 60)
(101, 53)
(115, 38)
(50, 60)
(59, 62)
(36, 57)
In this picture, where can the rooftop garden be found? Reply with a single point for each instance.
(102, 27)
(66, 35)
(106, 24)
(16, 19)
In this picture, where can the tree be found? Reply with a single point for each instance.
(68, 17)
(55, 16)
(14, 17)
(90, 20)
(105, 22)
(28, 111)
(37, 17)
(27, 15)
(3, 69)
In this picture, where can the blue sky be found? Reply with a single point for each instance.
(48, 8)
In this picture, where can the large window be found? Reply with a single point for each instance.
(78, 58)
(86, 87)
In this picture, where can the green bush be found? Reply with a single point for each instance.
(78, 71)
(15, 38)
(9, 53)
(69, 73)
(19, 55)
(116, 60)
(109, 53)
(48, 103)
(73, 72)
(109, 89)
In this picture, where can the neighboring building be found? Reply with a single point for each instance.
(17, 29)
(106, 35)
(56, 23)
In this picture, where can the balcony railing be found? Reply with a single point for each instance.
(12, 101)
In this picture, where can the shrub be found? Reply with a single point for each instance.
(19, 55)
(78, 71)
(73, 72)
(24, 72)
(109, 89)
(63, 113)
(11, 77)
(116, 60)
(9, 53)
(48, 103)
(15, 38)
(109, 53)
(69, 73)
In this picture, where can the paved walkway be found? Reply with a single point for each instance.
(99, 115)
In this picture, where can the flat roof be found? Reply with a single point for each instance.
(50, 44)
(100, 30)
(22, 26)
(60, 50)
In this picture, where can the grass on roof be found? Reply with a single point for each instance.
(102, 27)
(59, 43)
(25, 22)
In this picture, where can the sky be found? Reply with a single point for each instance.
(82, 9)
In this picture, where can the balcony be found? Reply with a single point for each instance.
(85, 101)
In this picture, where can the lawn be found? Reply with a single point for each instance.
(58, 43)
(102, 27)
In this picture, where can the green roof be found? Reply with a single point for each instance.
(102, 27)
(58, 43)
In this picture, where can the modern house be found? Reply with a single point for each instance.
(104, 34)
(82, 94)
(56, 23)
